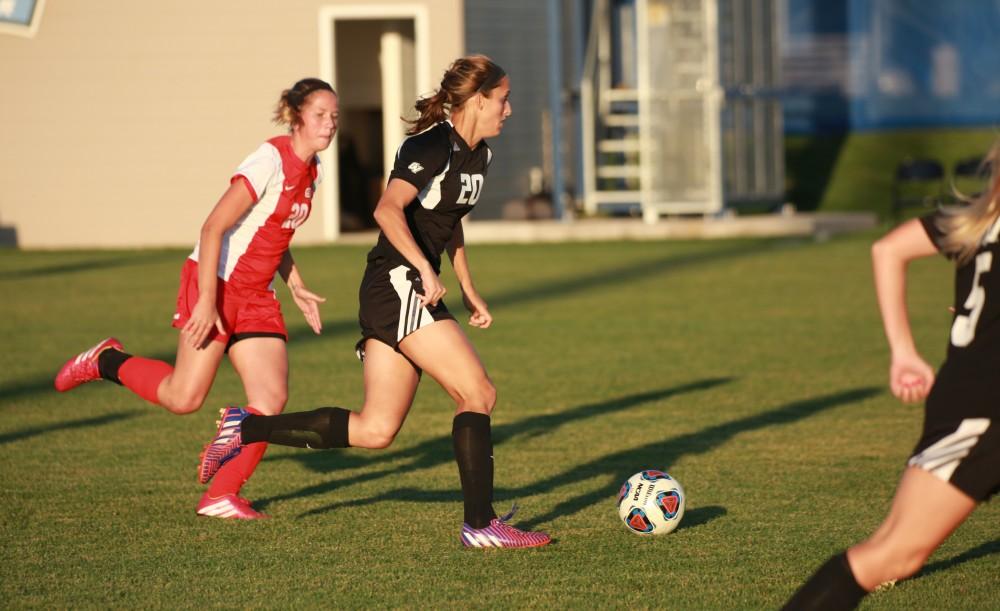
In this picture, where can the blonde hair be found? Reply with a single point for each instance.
(289, 107)
(464, 78)
(965, 225)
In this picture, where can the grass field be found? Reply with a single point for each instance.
(753, 371)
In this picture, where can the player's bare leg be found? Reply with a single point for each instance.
(180, 389)
(910, 533)
(390, 385)
(446, 354)
(262, 364)
(897, 549)
(444, 351)
(184, 390)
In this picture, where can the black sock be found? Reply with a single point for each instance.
(108, 363)
(474, 454)
(320, 429)
(831, 588)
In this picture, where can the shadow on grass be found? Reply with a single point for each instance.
(699, 516)
(986, 549)
(64, 426)
(92, 264)
(302, 334)
(613, 468)
(624, 274)
(439, 451)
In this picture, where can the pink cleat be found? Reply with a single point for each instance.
(83, 367)
(225, 446)
(501, 534)
(228, 506)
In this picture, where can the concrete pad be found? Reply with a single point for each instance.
(817, 224)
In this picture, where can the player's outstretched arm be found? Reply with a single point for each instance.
(231, 206)
(392, 221)
(306, 300)
(910, 377)
(480, 313)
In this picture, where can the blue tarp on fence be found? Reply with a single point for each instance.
(872, 64)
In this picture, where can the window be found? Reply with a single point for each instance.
(20, 17)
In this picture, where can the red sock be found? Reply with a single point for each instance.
(143, 376)
(237, 471)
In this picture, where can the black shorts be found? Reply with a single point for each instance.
(960, 443)
(389, 307)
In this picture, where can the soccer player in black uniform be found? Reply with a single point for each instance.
(406, 327)
(956, 463)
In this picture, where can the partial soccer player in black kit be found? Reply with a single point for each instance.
(406, 328)
(956, 463)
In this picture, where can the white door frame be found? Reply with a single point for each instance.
(328, 16)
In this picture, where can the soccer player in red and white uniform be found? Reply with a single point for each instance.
(226, 302)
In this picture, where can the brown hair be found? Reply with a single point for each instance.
(965, 226)
(464, 78)
(289, 105)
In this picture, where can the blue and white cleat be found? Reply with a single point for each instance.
(226, 445)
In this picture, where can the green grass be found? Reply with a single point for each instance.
(753, 371)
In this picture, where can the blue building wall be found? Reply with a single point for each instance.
(873, 64)
(513, 34)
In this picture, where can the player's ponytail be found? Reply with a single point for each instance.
(964, 226)
(466, 77)
(289, 107)
(431, 109)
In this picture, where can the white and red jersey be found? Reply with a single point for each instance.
(282, 186)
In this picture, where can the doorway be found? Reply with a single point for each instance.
(376, 57)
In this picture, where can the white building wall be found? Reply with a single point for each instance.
(121, 121)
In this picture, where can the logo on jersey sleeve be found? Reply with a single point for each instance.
(415, 167)
(472, 186)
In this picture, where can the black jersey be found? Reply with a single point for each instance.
(960, 443)
(975, 329)
(449, 178)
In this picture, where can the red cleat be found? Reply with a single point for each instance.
(228, 506)
(83, 367)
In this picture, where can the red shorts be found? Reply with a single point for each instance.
(245, 312)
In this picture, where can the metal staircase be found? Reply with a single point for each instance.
(660, 142)
(618, 169)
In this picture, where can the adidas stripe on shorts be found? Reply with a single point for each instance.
(960, 443)
(390, 306)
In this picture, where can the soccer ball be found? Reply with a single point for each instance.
(651, 503)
